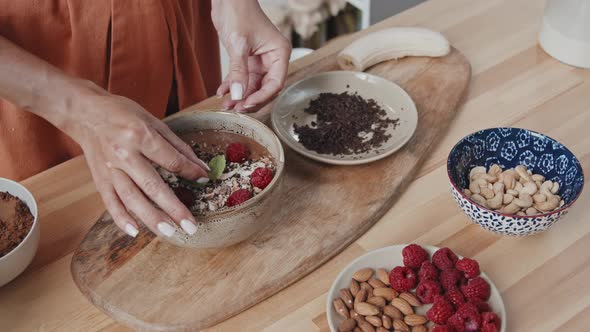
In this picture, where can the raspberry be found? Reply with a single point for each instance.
(440, 311)
(444, 258)
(466, 319)
(414, 255)
(450, 278)
(490, 322)
(185, 196)
(427, 290)
(481, 305)
(455, 297)
(402, 278)
(428, 272)
(237, 152)
(238, 197)
(261, 177)
(476, 289)
(442, 328)
(469, 267)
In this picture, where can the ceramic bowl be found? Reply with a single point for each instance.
(288, 109)
(510, 147)
(231, 225)
(388, 258)
(16, 261)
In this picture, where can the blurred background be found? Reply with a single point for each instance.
(309, 24)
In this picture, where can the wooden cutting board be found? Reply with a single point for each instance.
(151, 285)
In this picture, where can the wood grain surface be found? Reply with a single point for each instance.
(322, 210)
(543, 279)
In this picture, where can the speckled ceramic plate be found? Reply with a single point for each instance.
(388, 258)
(289, 107)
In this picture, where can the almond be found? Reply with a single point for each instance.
(374, 320)
(366, 327)
(354, 287)
(386, 293)
(414, 320)
(387, 322)
(411, 299)
(383, 275)
(377, 301)
(361, 296)
(341, 308)
(402, 305)
(419, 328)
(365, 309)
(392, 312)
(376, 283)
(368, 287)
(363, 274)
(346, 296)
(357, 329)
(381, 329)
(347, 325)
(399, 325)
(359, 318)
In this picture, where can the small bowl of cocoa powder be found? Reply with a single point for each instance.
(19, 229)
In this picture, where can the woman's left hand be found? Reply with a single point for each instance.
(259, 54)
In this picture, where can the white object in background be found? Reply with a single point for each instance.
(299, 52)
(16, 261)
(565, 33)
(364, 6)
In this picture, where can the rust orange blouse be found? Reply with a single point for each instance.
(134, 48)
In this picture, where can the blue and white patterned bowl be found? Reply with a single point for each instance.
(510, 147)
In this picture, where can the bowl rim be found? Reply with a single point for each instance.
(35, 216)
(563, 208)
(280, 163)
(330, 159)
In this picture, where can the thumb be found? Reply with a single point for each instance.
(238, 75)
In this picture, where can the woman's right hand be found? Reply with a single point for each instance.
(121, 142)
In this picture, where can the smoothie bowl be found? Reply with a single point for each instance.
(247, 162)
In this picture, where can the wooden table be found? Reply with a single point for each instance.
(543, 279)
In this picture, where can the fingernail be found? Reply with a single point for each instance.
(236, 91)
(249, 106)
(166, 229)
(131, 230)
(205, 165)
(189, 227)
(219, 95)
(202, 180)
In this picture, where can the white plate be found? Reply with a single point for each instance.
(388, 258)
(288, 110)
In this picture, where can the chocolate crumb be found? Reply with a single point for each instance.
(346, 124)
(16, 221)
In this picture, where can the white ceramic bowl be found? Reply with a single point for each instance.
(388, 258)
(16, 261)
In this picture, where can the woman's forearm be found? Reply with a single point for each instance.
(38, 87)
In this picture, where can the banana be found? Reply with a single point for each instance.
(392, 43)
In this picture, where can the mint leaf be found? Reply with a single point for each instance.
(217, 165)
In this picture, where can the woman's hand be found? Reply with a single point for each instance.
(259, 54)
(121, 142)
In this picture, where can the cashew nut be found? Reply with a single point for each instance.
(549, 205)
(477, 198)
(555, 188)
(510, 208)
(484, 176)
(524, 200)
(476, 170)
(529, 188)
(538, 177)
(507, 199)
(509, 181)
(487, 193)
(498, 187)
(520, 213)
(513, 173)
(546, 188)
(522, 171)
(495, 170)
(561, 203)
(512, 192)
(518, 186)
(531, 211)
(538, 198)
(467, 192)
(496, 201)
(475, 186)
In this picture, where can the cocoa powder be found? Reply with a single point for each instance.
(16, 221)
(346, 124)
